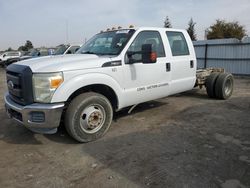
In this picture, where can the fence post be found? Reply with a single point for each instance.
(205, 60)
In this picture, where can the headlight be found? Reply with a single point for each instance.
(45, 85)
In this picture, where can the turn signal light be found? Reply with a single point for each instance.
(153, 56)
(56, 82)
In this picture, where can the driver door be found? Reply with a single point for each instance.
(144, 82)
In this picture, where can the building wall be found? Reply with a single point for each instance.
(231, 54)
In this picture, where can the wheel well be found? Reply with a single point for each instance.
(98, 88)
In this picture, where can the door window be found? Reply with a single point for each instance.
(177, 43)
(147, 37)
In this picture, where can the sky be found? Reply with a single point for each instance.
(53, 22)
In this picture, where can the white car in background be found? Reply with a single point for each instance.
(7, 55)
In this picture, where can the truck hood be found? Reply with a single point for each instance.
(65, 62)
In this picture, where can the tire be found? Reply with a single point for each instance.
(210, 84)
(88, 117)
(224, 86)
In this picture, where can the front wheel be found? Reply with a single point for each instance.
(88, 117)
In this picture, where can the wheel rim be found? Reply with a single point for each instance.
(228, 87)
(92, 118)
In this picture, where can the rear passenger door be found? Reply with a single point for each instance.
(183, 62)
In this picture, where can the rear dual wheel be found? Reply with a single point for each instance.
(219, 85)
(210, 84)
(224, 86)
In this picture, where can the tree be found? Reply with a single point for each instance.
(22, 48)
(222, 29)
(9, 49)
(191, 29)
(28, 45)
(167, 23)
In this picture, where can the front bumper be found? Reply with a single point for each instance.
(41, 118)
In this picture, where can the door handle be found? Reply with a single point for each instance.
(191, 64)
(168, 67)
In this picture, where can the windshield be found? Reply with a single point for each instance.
(107, 43)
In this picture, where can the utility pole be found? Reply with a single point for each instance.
(67, 32)
(205, 35)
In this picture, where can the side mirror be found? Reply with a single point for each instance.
(148, 55)
(4, 55)
(69, 52)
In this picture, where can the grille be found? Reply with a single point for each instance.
(14, 86)
(19, 82)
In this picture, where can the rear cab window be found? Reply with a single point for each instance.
(178, 43)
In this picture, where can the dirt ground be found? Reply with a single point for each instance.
(186, 141)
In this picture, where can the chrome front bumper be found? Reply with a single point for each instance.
(41, 118)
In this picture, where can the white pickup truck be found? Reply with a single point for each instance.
(113, 70)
